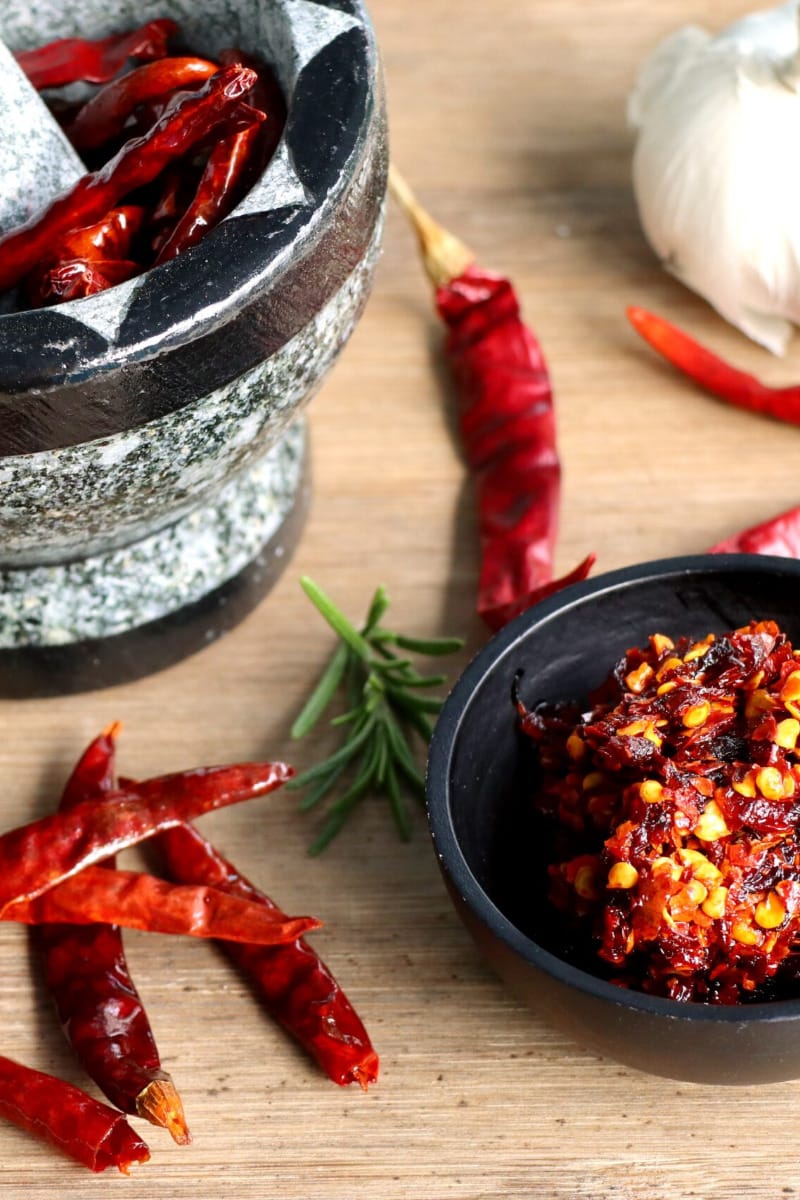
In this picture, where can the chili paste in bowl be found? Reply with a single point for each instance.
(622, 842)
(674, 804)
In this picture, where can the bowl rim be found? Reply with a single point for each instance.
(441, 751)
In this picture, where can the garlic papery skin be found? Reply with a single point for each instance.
(716, 168)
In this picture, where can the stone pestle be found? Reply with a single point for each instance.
(37, 163)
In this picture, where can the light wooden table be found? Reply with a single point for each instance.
(508, 117)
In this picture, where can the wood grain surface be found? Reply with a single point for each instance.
(508, 116)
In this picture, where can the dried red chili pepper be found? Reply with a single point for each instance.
(43, 853)
(234, 164)
(78, 277)
(136, 900)
(780, 536)
(227, 176)
(92, 1133)
(97, 1003)
(676, 807)
(266, 95)
(103, 117)
(506, 420)
(296, 987)
(189, 117)
(112, 237)
(71, 59)
(712, 373)
(88, 260)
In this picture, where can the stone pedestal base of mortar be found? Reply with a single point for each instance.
(119, 615)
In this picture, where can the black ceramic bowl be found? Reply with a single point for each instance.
(480, 771)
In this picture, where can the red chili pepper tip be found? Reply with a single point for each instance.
(712, 373)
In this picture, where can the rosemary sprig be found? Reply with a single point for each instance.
(387, 699)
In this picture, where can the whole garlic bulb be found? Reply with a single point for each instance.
(716, 168)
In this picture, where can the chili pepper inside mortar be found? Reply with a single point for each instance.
(153, 442)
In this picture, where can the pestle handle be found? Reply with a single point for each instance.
(37, 163)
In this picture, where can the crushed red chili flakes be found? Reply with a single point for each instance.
(675, 810)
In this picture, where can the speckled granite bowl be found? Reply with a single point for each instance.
(151, 464)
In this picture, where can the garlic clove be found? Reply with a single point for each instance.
(663, 70)
(716, 178)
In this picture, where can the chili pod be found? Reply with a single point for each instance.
(90, 1132)
(506, 419)
(295, 986)
(37, 856)
(96, 999)
(68, 60)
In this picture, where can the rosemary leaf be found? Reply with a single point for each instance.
(322, 695)
(320, 790)
(429, 646)
(383, 710)
(336, 619)
(402, 818)
(342, 755)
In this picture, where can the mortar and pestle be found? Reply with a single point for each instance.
(153, 457)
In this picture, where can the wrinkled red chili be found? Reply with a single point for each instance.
(233, 165)
(103, 117)
(43, 853)
(187, 119)
(87, 974)
(90, 1132)
(69, 60)
(295, 986)
(506, 419)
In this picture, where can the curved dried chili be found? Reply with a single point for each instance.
(296, 987)
(37, 856)
(87, 975)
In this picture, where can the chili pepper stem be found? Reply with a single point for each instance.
(444, 256)
(160, 1104)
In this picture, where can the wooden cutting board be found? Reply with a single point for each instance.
(509, 119)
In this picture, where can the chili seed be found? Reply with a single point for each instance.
(771, 912)
(714, 904)
(696, 651)
(663, 865)
(651, 791)
(696, 716)
(791, 688)
(638, 679)
(593, 780)
(585, 883)
(745, 787)
(711, 823)
(787, 733)
(622, 875)
(701, 867)
(576, 747)
(770, 783)
(744, 934)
